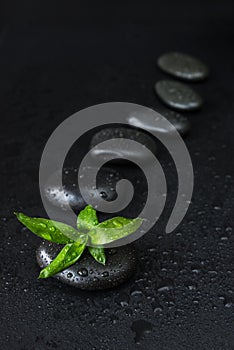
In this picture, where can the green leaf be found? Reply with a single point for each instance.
(67, 257)
(98, 254)
(52, 231)
(113, 229)
(87, 219)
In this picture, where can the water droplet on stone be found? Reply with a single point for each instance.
(83, 272)
(105, 274)
(103, 194)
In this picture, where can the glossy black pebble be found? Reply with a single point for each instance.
(178, 95)
(69, 194)
(122, 132)
(180, 122)
(183, 66)
(87, 274)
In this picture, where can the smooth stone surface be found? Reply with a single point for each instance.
(88, 274)
(124, 151)
(180, 122)
(69, 194)
(178, 95)
(183, 66)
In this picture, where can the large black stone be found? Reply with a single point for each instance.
(88, 274)
(69, 194)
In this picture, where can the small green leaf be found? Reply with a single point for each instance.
(87, 219)
(98, 254)
(52, 231)
(67, 257)
(113, 229)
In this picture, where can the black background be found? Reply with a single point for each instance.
(59, 57)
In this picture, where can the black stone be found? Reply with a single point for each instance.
(126, 133)
(88, 274)
(178, 95)
(69, 194)
(183, 66)
(180, 122)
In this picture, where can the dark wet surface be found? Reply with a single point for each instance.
(50, 68)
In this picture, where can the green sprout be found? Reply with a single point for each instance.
(89, 230)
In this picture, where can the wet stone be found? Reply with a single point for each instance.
(86, 273)
(183, 66)
(180, 122)
(178, 95)
(124, 152)
(69, 194)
